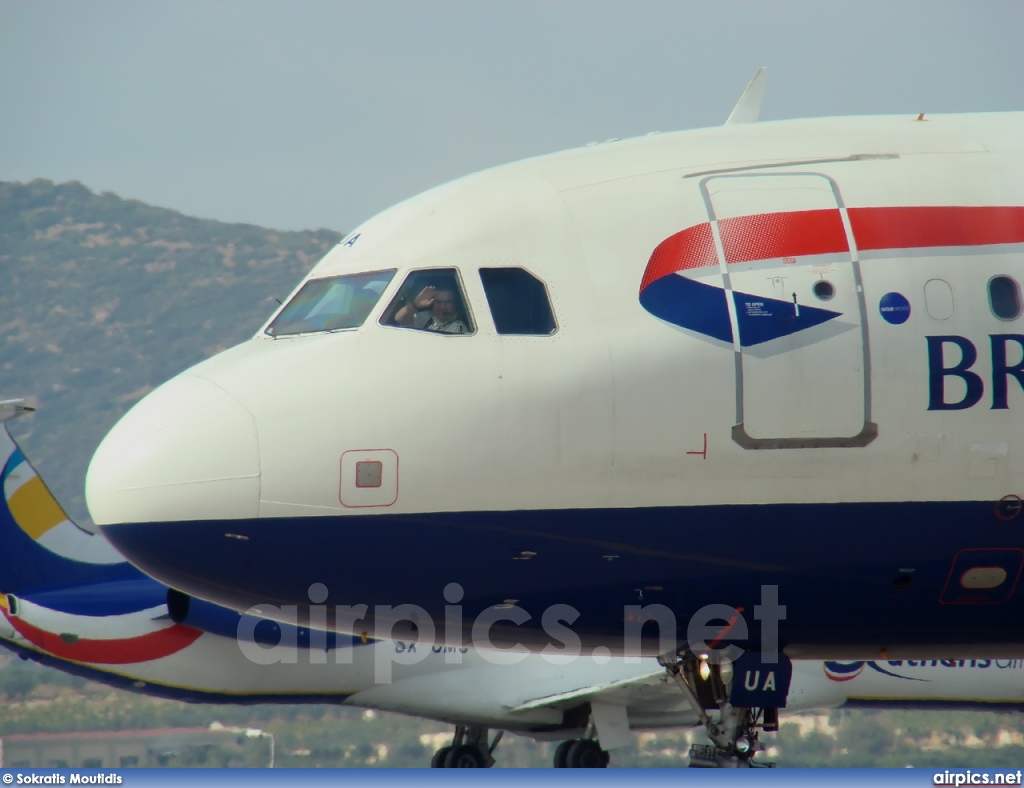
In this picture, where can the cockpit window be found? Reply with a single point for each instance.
(518, 300)
(430, 300)
(331, 304)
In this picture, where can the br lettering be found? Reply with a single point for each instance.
(1001, 346)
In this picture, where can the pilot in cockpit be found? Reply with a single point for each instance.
(443, 315)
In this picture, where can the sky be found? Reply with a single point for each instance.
(303, 115)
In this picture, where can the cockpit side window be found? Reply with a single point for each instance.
(519, 301)
(430, 300)
(331, 304)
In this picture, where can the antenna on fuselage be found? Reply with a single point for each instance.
(748, 108)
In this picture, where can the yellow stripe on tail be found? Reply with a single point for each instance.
(34, 509)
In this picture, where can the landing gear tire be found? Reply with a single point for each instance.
(437, 762)
(586, 754)
(562, 752)
(466, 756)
(580, 754)
(470, 749)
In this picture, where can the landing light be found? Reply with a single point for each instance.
(725, 671)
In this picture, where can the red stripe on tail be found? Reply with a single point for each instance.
(116, 651)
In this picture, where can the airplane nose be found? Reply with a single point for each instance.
(187, 451)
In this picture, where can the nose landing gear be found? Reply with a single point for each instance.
(734, 734)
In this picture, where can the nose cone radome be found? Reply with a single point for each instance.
(188, 451)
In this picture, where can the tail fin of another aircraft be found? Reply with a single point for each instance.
(748, 108)
(40, 547)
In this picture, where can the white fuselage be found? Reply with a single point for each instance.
(758, 329)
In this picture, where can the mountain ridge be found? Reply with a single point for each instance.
(104, 298)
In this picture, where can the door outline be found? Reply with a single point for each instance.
(869, 429)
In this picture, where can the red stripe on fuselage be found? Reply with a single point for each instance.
(797, 234)
(119, 651)
(693, 247)
(793, 234)
(915, 228)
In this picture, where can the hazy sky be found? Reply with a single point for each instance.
(320, 114)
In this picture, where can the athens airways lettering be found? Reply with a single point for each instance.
(847, 671)
(1000, 348)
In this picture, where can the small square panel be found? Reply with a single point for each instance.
(369, 473)
(369, 477)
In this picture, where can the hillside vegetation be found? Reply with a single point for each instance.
(102, 299)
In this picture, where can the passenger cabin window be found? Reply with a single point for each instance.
(331, 304)
(518, 301)
(1004, 297)
(430, 300)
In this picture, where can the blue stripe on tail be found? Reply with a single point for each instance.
(27, 565)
